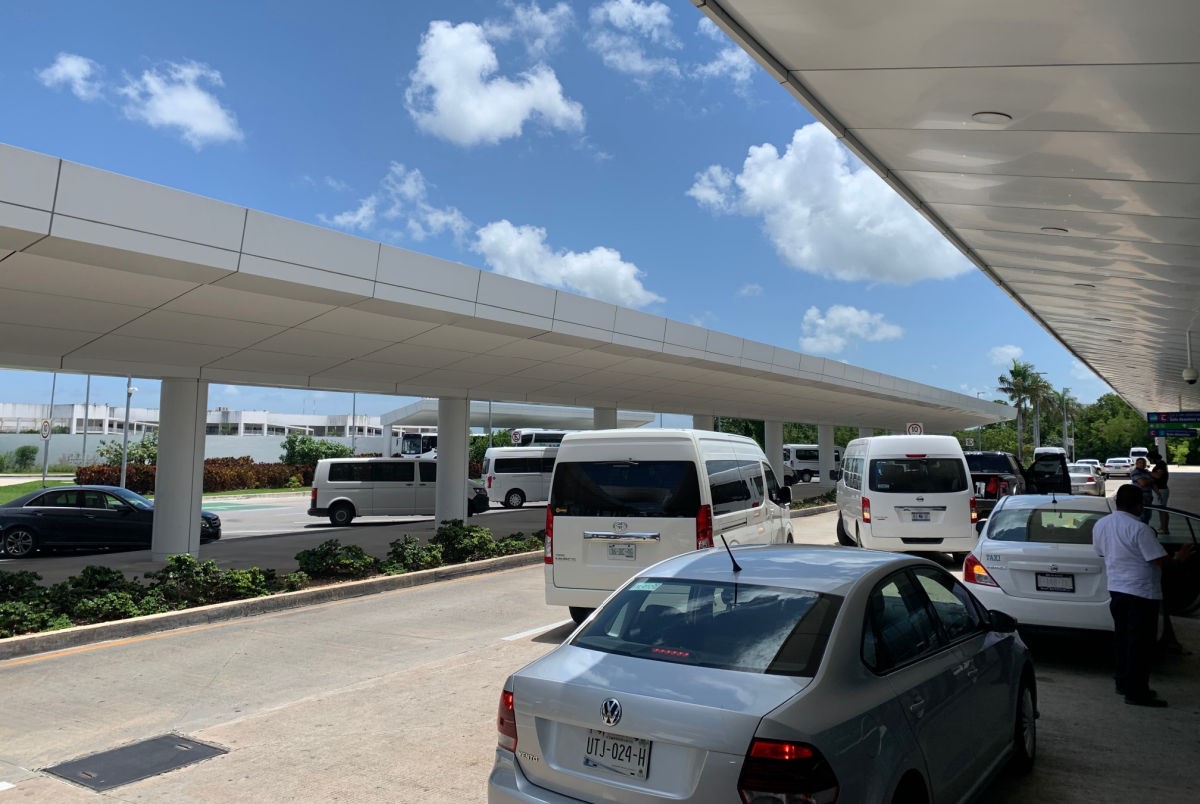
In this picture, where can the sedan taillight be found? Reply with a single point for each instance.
(975, 572)
(781, 772)
(506, 723)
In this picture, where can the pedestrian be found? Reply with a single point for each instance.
(1160, 475)
(1140, 476)
(1133, 561)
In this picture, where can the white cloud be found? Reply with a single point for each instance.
(522, 253)
(828, 215)
(730, 62)
(401, 201)
(77, 72)
(1081, 372)
(541, 31)
(454, 93)
(751, 289)
(1005, 355)
(623, 33)
(173, 98)
(832, 332)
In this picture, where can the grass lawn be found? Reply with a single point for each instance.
(13, 492)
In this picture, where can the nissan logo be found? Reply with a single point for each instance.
(620, 527)
(1054, 568)
(610, 712)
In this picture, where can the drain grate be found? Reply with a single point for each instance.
(131, 763)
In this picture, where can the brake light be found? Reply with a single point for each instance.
(704, 528)
(1004, 488)
(866, 510)
(914, 455)
(506, 723)
(489, 485)
(783, 771)
(313, 504)
(974, 511)
(549, 559)
(974, 572)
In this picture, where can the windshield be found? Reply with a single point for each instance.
(1043, 525)
(756, 629)
(134, 499)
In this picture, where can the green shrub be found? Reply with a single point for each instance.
(24, 458)
(520, 543)
(461, 543)
(239, 584)
(21, 586)
(409, 555)
(106, 607)
(92, 582)
(295, 581)
(19, 617)
(332, 559)
(300, 449)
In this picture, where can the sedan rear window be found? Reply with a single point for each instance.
(755, 629)
(918, 475)
(626, 489)
(1043, 525)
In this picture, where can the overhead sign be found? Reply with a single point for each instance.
(1175, 432)
(914, 428)
(45, 429)
(1173, 417)
(1172, 425)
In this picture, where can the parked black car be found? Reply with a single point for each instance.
(84, 516)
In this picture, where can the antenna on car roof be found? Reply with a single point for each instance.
(736, 566)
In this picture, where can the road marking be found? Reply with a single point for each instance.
(535, 631)
(6, 786)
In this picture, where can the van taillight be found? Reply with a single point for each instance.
(704, 528)
(866, 509)
(549, 559)
(313, 504)
(489, 485)
(506, 722)
(974, 511)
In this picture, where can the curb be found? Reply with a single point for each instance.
(816, 509)
(47, 641)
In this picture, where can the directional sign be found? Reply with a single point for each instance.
(1158, 432)
(914, 428)
(45, 429)
(1172, 425)
(1177, 416)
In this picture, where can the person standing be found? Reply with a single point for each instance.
(1160, 475)
(1133, 561)
(1140, 476)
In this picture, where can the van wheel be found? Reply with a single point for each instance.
(579, 613)
(789, 480)
(341, 514)
(514, 499)
(843, 537)
(805, 476)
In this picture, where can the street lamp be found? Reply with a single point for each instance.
(129, 392)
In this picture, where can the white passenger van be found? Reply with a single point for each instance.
(621, 500)
(906, 493)
(801, 463)
(345, 488)
(516, 475)
(531, 437)
(1139, 452)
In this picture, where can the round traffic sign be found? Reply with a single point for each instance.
(915, 428)
(45, 428)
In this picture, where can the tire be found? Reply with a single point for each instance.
(341, 514)
(1024, 729)
(958, 558)
(514, 499)
(910, 791)
(806, 476)
(789, 480)
(580, 613)
(843, 537)
(19, 542)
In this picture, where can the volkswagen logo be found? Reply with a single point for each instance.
(619, 527)
(610, 712)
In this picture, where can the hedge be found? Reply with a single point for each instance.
(220, 474)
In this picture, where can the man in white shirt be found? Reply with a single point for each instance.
(1133, 561)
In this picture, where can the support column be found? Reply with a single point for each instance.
(180, 475)
(604, 418)
(825, 452)
(773, 440)
(703, 423)
(454, 420)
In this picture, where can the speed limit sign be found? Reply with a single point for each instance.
(45, 429)
(914, 428)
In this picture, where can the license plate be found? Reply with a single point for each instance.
(627, 756)
(622, 552)
(1055, 582)
(920, 516)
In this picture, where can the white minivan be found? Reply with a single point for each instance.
(621, 500)
(801, 463)
(516, 475)
(906, 493)
(345, 488)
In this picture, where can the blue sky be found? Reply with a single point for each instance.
(618, 149)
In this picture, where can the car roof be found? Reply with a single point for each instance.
(825, 569)
(1076, 502)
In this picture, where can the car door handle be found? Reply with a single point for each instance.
(917, 707)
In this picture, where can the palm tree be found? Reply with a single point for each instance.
(1021, 385)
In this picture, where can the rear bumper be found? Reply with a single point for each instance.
(905, 543)
(318, 512)
(1088, 616)
(507, 785)
(565, 596)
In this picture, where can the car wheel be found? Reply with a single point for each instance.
(805, 476)
(341, 514)
(843, 537)
(514, 499)
(579, 613)
(19, 543)
(1024, 729)
(911, 790)
(958, 558)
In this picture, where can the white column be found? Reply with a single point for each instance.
(703, 423)
(773, 437)
(180, 479)
(454, 417)
(604, 418)
(825, 450)
(866, 432)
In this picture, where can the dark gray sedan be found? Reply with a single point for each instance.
(795, 674)
(84, 517)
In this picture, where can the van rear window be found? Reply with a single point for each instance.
(626, 489)
(917, 475)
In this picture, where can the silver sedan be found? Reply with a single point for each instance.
(772, 674)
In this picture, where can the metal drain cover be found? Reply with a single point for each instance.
(131, 763)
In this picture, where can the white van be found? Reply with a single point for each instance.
(906, 493)
(801, 463)
(345, 488)
(530, 437)
(621, 500)
(515, 475)
(1139, 452)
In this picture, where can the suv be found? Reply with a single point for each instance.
(994, 475)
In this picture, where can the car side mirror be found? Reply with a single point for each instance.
(1000, 622)
(979, 526)
(783, 495)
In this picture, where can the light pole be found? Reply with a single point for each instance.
(129, 392)
(1037, 415)
(1064, 401)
